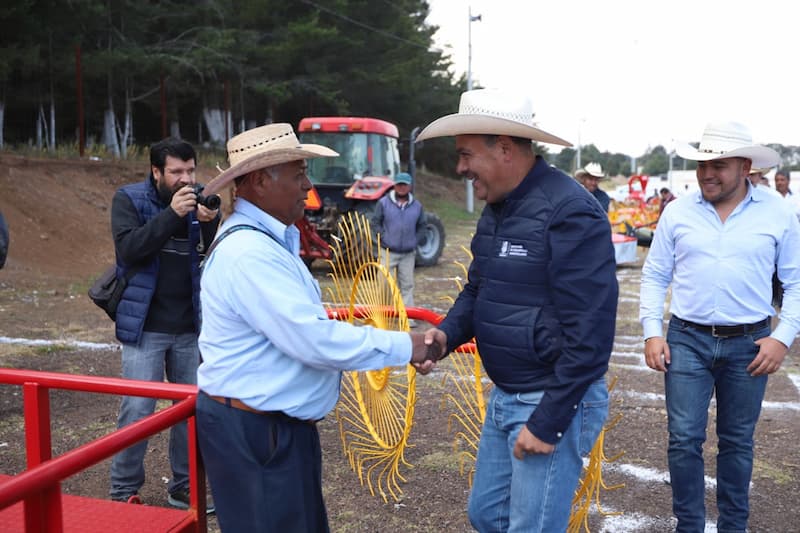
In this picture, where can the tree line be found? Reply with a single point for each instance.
(136, 71)
(209, 69)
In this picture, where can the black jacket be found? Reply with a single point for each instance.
(541, 298)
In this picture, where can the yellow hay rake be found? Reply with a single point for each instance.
(376, 408)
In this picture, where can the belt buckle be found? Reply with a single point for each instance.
(721, 333)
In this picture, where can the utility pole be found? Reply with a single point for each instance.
(470, 197)
(578, 165)
(412, 162)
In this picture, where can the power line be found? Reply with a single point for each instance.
(365, 26)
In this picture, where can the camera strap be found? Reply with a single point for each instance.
(234, 229)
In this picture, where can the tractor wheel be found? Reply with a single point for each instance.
(429, 250)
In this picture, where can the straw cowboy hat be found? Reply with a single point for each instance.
(263, 147)
(593, 169)
(491, 112)
(729, 139)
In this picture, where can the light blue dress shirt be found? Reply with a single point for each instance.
(266, 338)
(721, 273)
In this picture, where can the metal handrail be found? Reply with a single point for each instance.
(39, 485)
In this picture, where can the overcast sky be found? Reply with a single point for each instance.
(628, 74)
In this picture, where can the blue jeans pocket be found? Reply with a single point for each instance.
(593, 416)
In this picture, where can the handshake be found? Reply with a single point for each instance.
(427, 349)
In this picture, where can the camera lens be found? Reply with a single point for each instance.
(211, 202)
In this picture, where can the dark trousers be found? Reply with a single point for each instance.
(265, 471)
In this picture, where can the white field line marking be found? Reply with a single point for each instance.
(651, 475)
(796, 380)
(633, 368)
(69, 343)
(633, 339)
(651, 396)
(635, 522)
(647, 396)
(639, 356)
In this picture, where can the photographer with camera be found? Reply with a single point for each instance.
(161, 229)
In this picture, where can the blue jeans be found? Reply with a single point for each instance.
(535, 494)
(701, 365)
(156, 353)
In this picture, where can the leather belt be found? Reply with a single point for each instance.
(724, 331)
(239, 404)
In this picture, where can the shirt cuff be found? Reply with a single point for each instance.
(652, 327)
(784, 333)
(400, 352)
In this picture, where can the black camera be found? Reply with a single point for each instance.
(211, 201)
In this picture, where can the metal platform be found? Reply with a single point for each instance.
(89, 515)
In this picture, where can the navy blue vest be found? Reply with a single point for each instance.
(135, 302)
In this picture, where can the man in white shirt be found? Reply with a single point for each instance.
(718, 249)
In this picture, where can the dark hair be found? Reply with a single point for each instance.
(784, 172)
(172, 147)
(663, 190)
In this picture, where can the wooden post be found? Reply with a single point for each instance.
(163, 108)
(227, 97)
(79, 88)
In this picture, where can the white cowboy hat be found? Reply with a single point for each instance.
(593, 169)
(263, 147)
(763, 171)
(491, 112)
(728, 139)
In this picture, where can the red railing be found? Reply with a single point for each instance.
(414, 313)
(39, 487)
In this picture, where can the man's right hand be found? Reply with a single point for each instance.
(427, 349)
(656, 353)
(184, 201)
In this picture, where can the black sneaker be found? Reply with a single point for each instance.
(180, 500)
(131, 498)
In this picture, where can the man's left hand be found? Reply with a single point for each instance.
(769, 358)
(205, 214)
(528, 444)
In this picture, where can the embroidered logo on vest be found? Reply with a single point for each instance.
(508, 249)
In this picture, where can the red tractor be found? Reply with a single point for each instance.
(364, 171)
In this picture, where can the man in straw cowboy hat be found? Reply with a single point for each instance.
(541, 301)
(718, 249)
(271, 358)
(590, 176)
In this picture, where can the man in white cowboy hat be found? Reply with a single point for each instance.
(590, 176)
(271, 358)
(541, 301)
(718, 249)
(757, 176)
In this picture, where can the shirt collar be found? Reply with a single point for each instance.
(264, 220)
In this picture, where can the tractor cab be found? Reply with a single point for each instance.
(367, 163)
(354, 181)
